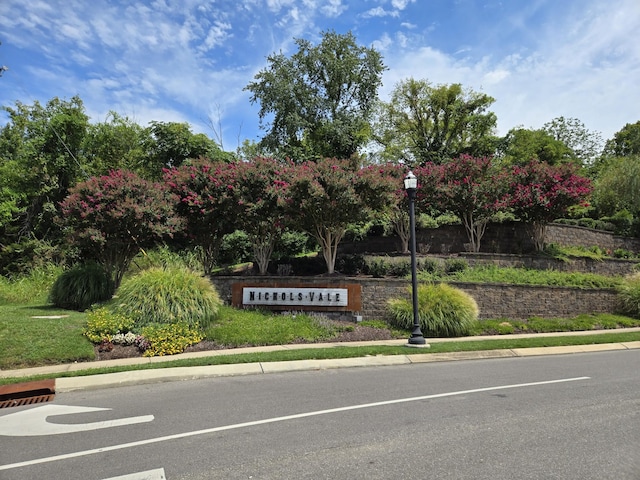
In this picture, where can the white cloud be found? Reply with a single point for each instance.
(401, 4)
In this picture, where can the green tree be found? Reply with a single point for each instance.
(425, 123)
(41, 154)
(172, 143)
(625, 142)
(112, 217)
(521, 145)
(118, 143)
(586, 145)
(617, 187)
(317, 103)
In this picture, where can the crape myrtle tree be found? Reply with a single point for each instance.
(425, 123)
(112, 217)
(260, 193)
(207, 201)
(471, 188)
(326, 196)
(317, 103)
(539, 193)
(398, 207)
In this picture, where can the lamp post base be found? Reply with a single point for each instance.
(417, 342)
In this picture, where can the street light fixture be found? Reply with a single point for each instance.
(411, 186)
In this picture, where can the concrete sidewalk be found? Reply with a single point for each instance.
(413, 355)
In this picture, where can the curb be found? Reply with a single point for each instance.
(138, 377)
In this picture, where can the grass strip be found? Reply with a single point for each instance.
(351, 352)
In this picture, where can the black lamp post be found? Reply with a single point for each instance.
(411, 185)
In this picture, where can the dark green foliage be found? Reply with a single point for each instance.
(378, 267)
(21, 258)
(81, 286)
(292, 243)
(167, 295)
(351, 264)
(400, 269)
(453, 265)
(317, 102)
(443, 311)
(235, 248)
(431, 266)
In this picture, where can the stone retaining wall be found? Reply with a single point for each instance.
(607, 267)
(494, 300)
(508, 237)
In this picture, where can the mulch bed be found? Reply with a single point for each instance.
(358, 334)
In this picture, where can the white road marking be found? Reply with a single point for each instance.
(157, 474)
(30, 423)
(194, 433)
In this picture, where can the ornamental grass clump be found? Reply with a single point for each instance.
(81, 286)
(629, 295)
(443, 311)
(168, 295)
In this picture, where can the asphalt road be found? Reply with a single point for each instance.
(558, 417)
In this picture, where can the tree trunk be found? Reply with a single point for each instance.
(400, 222)
(329, 240)
(538, 232)
(262, 251)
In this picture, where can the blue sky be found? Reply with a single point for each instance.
(189, 60)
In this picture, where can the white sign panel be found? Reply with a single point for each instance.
(285, 296)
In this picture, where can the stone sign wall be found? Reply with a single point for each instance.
(494, 300)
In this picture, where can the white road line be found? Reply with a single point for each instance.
(279, 419)
(157, 474)
(31, 423)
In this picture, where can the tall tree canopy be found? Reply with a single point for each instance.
(626, 142)
(41, 157)
(317, 103)
(172, 143)
(117, 143)
(425, 123)
(521, 145)
(586, 145)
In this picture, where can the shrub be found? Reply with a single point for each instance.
(103, 324)
(453, 265)
(168, 295)
(21, 258)
(443, 311)
(170, 339)
(235, 248)
(81, 286)
(378, 268)
(629, 295)
(351, 264)
(400, 269)
(431, 265)
(292, 243)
